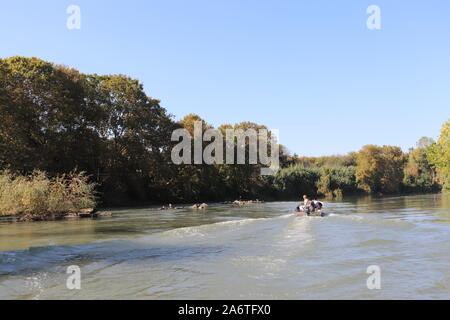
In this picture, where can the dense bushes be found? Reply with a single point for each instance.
(36, 197)
(374, 169)
(337, 181)
(296, 180)
(289, 183)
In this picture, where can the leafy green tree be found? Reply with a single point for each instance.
(439, 156)
(242, 180)
(46, 123)
(324, 185)
(136, 132)
(337, 180)
(419, 173)
(59, 120)
(198, 182)
(294, 181)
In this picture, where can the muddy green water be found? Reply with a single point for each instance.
(262, 251)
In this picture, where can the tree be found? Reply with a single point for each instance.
(292, 182)
(424, 142)
(46, 123)
(244, 179)
(197, 182)
(380, 169)
(439, 156)
(337, 180)
(58, 120)
(419, 175)
(135, 131)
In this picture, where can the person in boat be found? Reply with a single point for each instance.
(317, 205)
(308, 205)
(305, 199)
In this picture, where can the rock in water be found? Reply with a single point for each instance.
(87, 213)
(105, 214)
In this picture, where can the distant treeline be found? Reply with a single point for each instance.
(60, 121)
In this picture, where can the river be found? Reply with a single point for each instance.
(261, 251)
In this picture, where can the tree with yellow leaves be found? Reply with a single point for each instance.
(380, 169)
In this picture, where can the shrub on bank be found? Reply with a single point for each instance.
(336, 181)
(37, 197)
(291, 182)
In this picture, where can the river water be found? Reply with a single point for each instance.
(261, 251)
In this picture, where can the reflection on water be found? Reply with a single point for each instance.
(258, 252)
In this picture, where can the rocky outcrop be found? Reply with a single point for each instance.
(202, 206)
(93, 213)
(104, 214)
(87, 213)
(241, 203)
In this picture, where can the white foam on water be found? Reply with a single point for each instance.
(373, 220)
(225, 229)
(272, 256)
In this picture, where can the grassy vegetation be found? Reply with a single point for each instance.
(38, 197)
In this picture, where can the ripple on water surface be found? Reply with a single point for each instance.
(260, 252)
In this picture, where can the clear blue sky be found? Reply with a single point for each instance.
(311, 69)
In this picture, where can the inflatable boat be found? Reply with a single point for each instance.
(316, 213)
